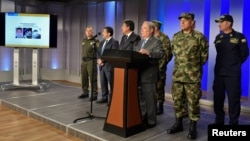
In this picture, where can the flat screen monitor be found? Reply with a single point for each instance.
(28, 30)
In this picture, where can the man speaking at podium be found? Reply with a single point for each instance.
(149, 73)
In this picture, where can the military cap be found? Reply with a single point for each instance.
(225, 17)
(187, 16)
(157, 23)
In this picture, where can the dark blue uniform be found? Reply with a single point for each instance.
(232, 51)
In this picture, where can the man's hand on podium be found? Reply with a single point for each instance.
(144, 51)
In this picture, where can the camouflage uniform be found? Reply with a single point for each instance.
(191, 52)
(163, 66)
(87, 68)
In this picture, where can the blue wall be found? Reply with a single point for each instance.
(205, 13)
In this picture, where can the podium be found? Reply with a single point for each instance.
(124, 114)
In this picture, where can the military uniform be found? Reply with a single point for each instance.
(191, 52)
(163, 66)
(232, 51)
(87, 68)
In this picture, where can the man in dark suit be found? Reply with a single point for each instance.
(149, 73)
(106, 69)
(129, 38)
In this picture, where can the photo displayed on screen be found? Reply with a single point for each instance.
(31, 30)
(36, 34)
(19, 32)
(28, 30)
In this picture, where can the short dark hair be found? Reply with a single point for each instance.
(19, 28)
(130, 24)
(109, 30)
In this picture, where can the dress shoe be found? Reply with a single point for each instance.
(148, 126)
(83, 96)
(102, 100)
(93, 98)
(159, 109)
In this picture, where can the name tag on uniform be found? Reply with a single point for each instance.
(234, 40)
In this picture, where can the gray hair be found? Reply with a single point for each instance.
(150, 24)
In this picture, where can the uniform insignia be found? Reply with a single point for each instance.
(218, 41)
(231, 35)
(221, 36)
(243, 40)
(83, 43)
(234, 40)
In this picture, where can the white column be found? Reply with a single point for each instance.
(34, 66)
(16, 66)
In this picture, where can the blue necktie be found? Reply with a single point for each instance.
(143, 43)
(103, 46)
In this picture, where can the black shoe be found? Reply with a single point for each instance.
(102, 100)
(150, 125)
(145, 121)
(83, 96)
(177, 127)
(192, 134)
(159, 109)
(93, 98)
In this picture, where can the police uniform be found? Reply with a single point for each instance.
(191, 53)
(232, 51)
(162, 66)
(87, 68)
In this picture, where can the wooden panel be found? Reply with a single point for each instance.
(115, 113)
(134, 115)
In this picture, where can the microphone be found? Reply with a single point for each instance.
(99, 33)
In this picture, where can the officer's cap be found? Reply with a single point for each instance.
(157, 23)
(225, 17)
(187, 16)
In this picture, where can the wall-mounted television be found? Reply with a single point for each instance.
(28, 30)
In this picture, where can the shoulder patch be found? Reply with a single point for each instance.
(243, 40)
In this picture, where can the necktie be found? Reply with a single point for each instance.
(103, 46)
(143, 43)
(126, 37)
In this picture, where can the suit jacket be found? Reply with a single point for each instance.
(128, 44)
(112, 44)
(149, 72)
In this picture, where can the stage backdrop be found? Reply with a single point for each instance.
(206, 11)
(64, 61)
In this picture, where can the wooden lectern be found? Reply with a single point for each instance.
(124, 114)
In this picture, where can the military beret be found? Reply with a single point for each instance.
(187, 16)
(225, 17)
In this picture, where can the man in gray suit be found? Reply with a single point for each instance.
(106, 69)
(149, 73)
(129, 38)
